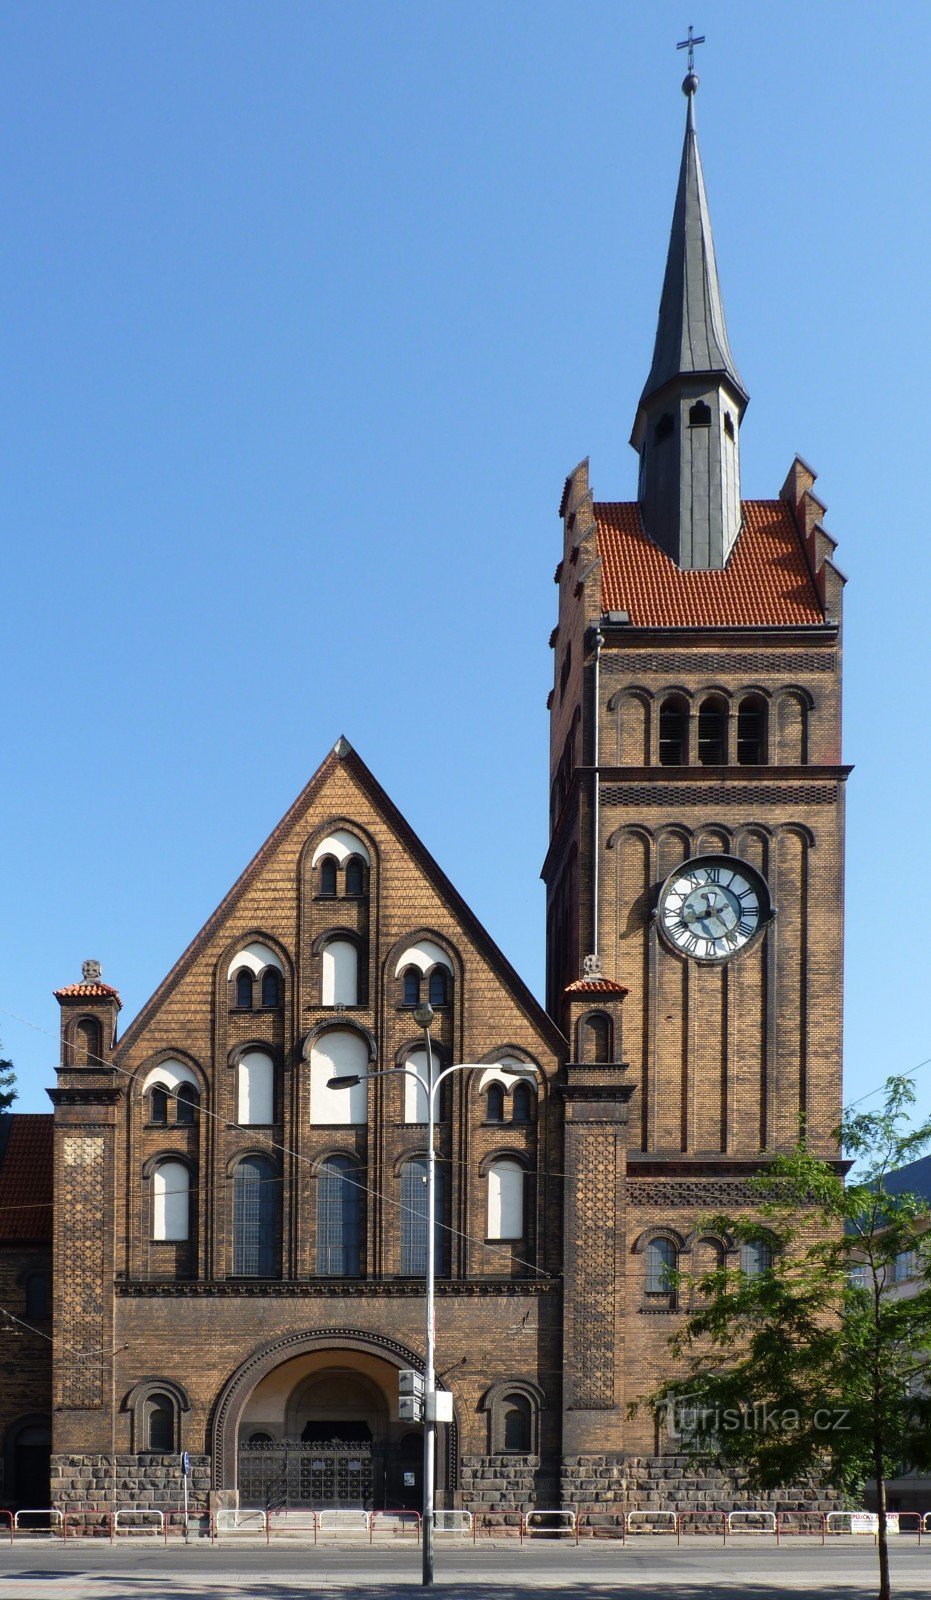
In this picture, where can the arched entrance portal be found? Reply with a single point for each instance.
(320, 1429)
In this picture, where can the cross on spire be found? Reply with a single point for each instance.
(689, 45)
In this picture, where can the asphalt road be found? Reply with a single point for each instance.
(35, 1570)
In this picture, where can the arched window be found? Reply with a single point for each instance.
(171, 1201)
(522, 1103)
(87, 1042)
(186, 1104)
(354, 878)
(751, 731)
(411, 990)
(664, 428)
(260, 1438)
(707, 1257)
(339, 1218)
(244, 989)
(516, 1422)
(339, 985)
(712, 732)
(599, 1039)
(673, 732)
(271, 988)
(661, 1263)
(339, 1053)
(494, 1103)
(414, 1219)
(39, 1296)
(158, 1104)
(159, 1425)
(756, 1256)
(328, 875)
(700, 415)
(256, 1195)
(505, 1200)
(728, 425)
(438, 988)
(255, 1089)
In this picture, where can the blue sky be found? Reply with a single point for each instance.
(306, 312)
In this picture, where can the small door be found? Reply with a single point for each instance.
(409, 1484)
(31, 1467)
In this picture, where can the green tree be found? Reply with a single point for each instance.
(8, 1091)
(812, 1368)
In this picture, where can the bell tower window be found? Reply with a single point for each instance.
(673, 732)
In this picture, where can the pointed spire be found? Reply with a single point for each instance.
(691, 335)
(688, 419)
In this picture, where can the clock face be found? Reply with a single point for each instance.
(712, 907)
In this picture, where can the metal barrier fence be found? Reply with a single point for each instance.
(752, 1522)
(443, 1523)
(50, 1513)
(546, 1523)
(602, 1522)
(395, 1523)
(505, 1523)
(141, 1521)
(653, 1522)
(594, 1522)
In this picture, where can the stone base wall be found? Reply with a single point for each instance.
(494, 1483)
(676, 1483)
(144, 1480)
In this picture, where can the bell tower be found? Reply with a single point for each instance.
(695, 870)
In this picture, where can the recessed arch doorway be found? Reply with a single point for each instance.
(320, 1428)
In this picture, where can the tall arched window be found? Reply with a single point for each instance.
(756, 1256)
(244, 989)
(414, 1219)
(522, 1103)
(673, 732)
(328, 875)
(186, 1104)
(516, 1424)
(87, 1042)
(661, 1262)
(494, 1103)
(39, 1296)
(339, 1218)
(712, 732)
(339, 1053)
(171, 1201)
(255, 1088)
(599, 1038)
(340, 974)
(160, 1425)
(354, 876)
(751, 731)
(256, 1196)
(438, 988)
(505, 1200)
(271, 988)
(158, 1104)
(411, 988)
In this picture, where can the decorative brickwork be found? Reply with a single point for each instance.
(82, 1201)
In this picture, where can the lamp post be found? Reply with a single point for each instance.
(423, 1016)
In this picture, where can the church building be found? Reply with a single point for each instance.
(240, 1240)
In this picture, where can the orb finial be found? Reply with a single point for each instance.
(690, 83)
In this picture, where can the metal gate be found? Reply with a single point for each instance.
(291, 1472)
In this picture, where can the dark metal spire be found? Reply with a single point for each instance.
(691, 336)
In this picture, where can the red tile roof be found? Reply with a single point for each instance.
(88, 991)
(26, 1177)
(766, 581)
(595, 986)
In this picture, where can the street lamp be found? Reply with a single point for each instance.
(423, 1016)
